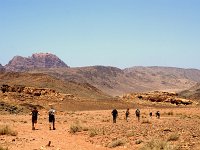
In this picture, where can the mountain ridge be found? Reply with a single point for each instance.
(112, 80)
(115, 81)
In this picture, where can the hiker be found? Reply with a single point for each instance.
(52, 118)
(34, 114)
(150, 114)
(158, 114)
(137, 113)
(127, 114)
(114, 114)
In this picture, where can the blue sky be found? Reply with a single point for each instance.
(120, 33)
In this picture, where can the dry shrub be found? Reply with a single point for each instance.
(77, 127)
(196, 116)
(146, 121)
(117, 142)
(1, 148)
(84, 128)
(130, 133)
(6, 130)
(93, 132)
(170, 113)
(138, 142)
(184, 116)
(158, 145)
(106, 120)
(173, 137)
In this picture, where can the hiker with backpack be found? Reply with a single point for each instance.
(34, 114)
(52, 118)
(137, 113)
(127, 114)
(158, 114)
(150, 114)
(114, 114)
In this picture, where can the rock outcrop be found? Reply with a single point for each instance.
(38, 60)
(37, 92)
(158, 96)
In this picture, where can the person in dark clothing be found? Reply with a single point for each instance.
(127, 114)
(114, 114)
(137, 113)
(158, 114)
(34, 114)
(52, 118)
(150, 114)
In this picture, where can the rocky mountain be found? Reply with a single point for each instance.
(1, 68)
(37, 60)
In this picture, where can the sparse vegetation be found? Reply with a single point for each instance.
(106, 120)
(117, 142)
(170, 113)
(6, 130)
(173, 137)
(158, 145)
(184, 116)
(75, 128)
(2, 148)
(93, 132)
(138, 142)
(84, 128)
(130, 133)
(147, 121)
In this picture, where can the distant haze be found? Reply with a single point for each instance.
(110, 33)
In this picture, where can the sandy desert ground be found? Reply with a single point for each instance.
(178, 128)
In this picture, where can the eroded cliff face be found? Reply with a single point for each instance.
(38, 60)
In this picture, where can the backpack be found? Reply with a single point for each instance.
(51, 112)
(34, 113)
(137, 112)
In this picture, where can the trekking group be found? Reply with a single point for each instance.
(127, 113)
(51, 114)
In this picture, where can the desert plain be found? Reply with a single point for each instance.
(177, 128)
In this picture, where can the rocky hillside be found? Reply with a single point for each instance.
(191, 93)
(39, 80)
(115, 81)
(38, 60)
